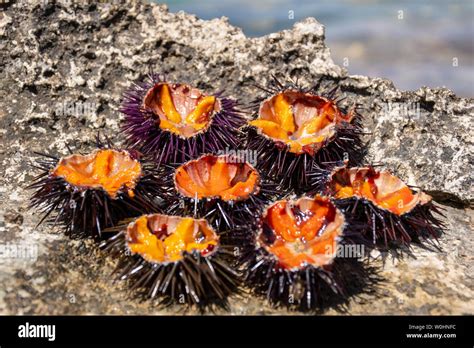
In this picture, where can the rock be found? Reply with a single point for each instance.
(13, 217)
(65, 67)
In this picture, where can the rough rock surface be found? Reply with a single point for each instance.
(55, 56)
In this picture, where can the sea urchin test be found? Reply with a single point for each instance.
(87, 193)
(176, 258)
(224, 189)
(302, 121)
(161, 238)
(296, 262)
(181, 109)
(175, 122)
(109, 170)
(390, 210)
(215, 177)
(301, 233)
(298, 132)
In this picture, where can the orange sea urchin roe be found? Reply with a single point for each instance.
(300, 120)
(213, 176)
(302, 232)
(110, 170)
(181, 109)
(162, 238)
(382, 188)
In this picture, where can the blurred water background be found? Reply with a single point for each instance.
(413, 43)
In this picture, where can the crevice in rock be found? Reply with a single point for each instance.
(450, 199)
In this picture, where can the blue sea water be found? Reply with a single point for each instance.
(413, 43)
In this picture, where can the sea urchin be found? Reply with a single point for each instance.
(390, 210)
(175, 122)
(87, 193)
(178, 259)
(223, 189)
(297, 260)
(297, 131)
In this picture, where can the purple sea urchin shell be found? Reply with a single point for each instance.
(142, 125)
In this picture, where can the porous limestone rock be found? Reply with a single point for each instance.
(63, 70)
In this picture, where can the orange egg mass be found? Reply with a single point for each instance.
(302, 232)
(216, 177)
(163, 238)
(110, 170)
(302, 121)
(180, 108)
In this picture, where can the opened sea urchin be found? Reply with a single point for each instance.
(87, 193)
(296, 261)
(175, 122)
(223, 189)
(178, 259)
(392, 213)
(295, 131)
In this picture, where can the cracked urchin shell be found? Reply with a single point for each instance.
(175, 122)
(394, 214)
(297, 131)
(179, 260)
(88, 193)
(226, 190)
(305, 256)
